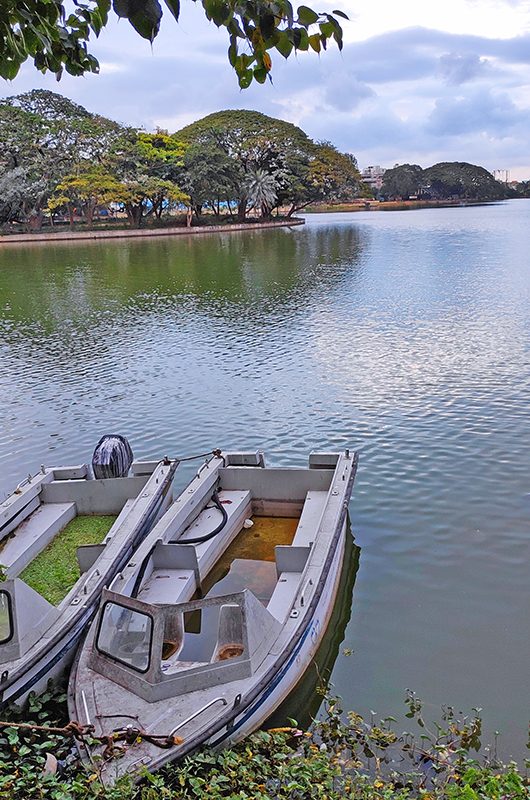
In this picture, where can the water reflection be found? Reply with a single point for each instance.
(89, 284)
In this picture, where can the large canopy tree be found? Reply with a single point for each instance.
(251, 145)
(57, 38)
(402, 181)
(143, 163)
(43, 138)
(462, 180)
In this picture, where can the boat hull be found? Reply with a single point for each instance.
(287, 678)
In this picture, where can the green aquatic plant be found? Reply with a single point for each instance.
(341, 756)
(55, 570)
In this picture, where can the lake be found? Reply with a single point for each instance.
(404, 335)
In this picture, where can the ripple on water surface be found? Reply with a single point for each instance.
(405, 335)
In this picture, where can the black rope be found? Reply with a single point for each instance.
(202, 455)
(207, 536)
(195, 540)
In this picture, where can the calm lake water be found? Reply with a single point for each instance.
(405, 335)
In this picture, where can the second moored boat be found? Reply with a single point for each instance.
(218, 614)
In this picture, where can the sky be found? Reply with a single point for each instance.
(416, 82)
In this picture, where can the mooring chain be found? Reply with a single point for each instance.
(129, 735)
(73, 728)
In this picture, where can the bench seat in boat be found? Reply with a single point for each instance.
(178, 567)
(283, 595)
(310, 518)
(289, 571)
(168, 585)
(34, 534)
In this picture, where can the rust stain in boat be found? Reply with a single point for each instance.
(259, 541)
(254, 544)
(230, 651)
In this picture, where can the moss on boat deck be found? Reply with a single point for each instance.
(55, 570)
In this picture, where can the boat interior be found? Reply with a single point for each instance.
(189, 614)
(40, 515)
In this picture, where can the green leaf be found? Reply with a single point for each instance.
(96, 22)
(284, 45)
(306, 16)
(260, 74)
(144, 15)
(12, 736)
(301, 39)
(146, 21)
(9, 69)
(232, 51)
(218, 11)
(341, 14)
(174, 7)
(314, 42)
(245, 79)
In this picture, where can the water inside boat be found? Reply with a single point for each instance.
(55, 570)
(247, 563)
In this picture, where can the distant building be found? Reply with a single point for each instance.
(502, 175)
(373, 176)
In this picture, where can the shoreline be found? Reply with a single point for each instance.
(135, 233)
(394, 205)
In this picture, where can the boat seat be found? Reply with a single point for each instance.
(173, 578)
(168, 586)
(34, 534)
(237, 505)
(290, 564)
(310, 518)
(283, 595)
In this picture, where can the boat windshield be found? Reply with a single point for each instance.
(125, 635)
(6, 626)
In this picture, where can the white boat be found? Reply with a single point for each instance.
(38, 636)
(218, 614)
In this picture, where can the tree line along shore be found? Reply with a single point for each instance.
(62, 166)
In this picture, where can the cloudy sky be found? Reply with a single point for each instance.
(416, 82)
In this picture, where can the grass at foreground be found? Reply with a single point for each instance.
(340, 757)
(54, 571)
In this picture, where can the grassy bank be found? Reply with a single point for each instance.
(340, 757)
